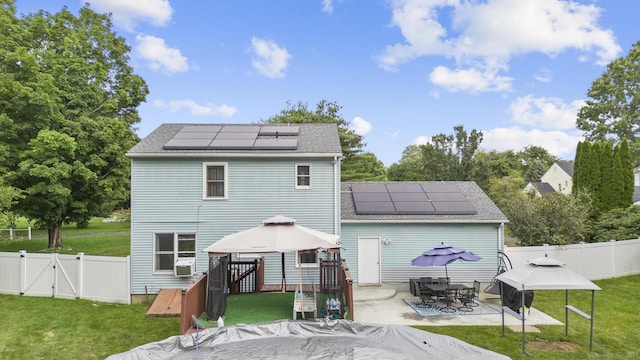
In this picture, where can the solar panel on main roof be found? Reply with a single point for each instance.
(234, 137)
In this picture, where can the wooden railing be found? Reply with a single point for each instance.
(347, 288)
(193, 302)
(246, 276)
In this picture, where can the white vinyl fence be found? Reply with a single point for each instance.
(99, 278)
(592, 260)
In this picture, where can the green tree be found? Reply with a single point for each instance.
(410, 167)
(554, 218)
(69, 103)
(618, 224)
(535, 171)
(325, 113)
(606, 195)
(9, 196)
(530, 154)
(363, 167)
(627, 174)
(612, 108)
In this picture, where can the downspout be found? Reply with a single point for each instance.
(336, 195)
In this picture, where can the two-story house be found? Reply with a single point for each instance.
(559, 178)
(193, 184)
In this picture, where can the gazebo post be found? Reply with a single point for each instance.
(593, 299)
(566, 312)
(524, 352)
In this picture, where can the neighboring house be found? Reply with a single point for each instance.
(560, 176)
(387, 224)
(192, 184)
(539, 188)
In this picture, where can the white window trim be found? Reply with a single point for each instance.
(297, 175)
(308, 265)
(175, 250)
(204, 180)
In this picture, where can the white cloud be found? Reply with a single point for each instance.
(360, 126)
(546, 113)
(471, 80)
(487, 34)
(126, 13)
(327, 6)
(422, 140)
(543, 75)
(270, 60)
(559, 143)
(160, 56)
(196, 109)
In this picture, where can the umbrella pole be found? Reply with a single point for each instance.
(300, 284)
(283, 284)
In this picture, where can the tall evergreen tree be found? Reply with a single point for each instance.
(617, 181)
(606, 192)
(627, 173)
(578, 171)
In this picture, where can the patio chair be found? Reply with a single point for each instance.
(466, 297)
(443, 280)
(427, 296)
(476, 293)
(450, 297)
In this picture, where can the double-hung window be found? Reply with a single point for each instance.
(169, 247)
(303, 176)
(307, 258)
(214, 180)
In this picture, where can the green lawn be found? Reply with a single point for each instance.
(79, 329)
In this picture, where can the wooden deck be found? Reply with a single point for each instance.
(167, 303)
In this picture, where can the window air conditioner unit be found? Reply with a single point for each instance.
(185, 267)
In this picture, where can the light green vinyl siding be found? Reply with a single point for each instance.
(409, 240)
(167, 196)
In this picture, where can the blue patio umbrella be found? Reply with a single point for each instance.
(442, 255)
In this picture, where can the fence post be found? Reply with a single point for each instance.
(80, 264)
(10, 233)
(29, 233)
(23, 271)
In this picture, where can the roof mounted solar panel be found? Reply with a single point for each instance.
(241, 128)
(454, 208)
(414, 208)
(404, 188)
(276, 144)
(187, 144)
(364, 187)
(221, 144)
(274, 130)
(438, 188)
(408, 196)
(371, 196)
(447, 196)
(200, 129)
(374, 208)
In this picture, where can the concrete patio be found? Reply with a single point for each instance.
(384, 305)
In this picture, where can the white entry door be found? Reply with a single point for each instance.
(369, 260)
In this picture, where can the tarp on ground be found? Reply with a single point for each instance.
(293, 339)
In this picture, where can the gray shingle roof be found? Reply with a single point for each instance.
(543, 187)
(567, 166)
(319, 139)
(487, 211)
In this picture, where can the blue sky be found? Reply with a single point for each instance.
(402, 70)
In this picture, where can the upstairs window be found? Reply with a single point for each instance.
(215, 181)
(303, 176)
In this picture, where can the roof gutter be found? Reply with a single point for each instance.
(260, 154)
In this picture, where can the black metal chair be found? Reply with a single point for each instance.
(427, 296)
(476, 293)
(450, 297)
(467, 299)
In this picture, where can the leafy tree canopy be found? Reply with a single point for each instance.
(325, 112)
(612, 109)
(68, 101)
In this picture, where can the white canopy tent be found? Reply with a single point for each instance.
(278, 234)
(548, 274)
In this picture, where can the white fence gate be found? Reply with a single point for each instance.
(99, 278)
(594, 261)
